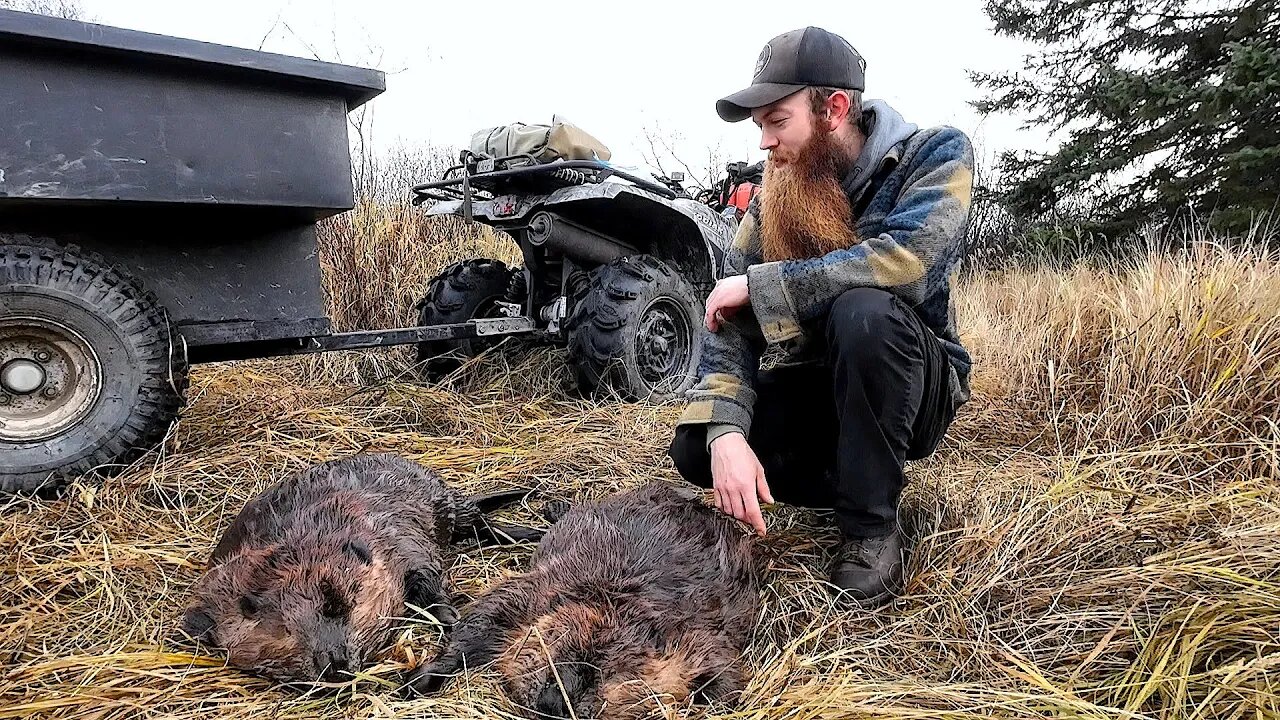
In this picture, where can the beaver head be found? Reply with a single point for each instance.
(593, 660)
(298, 611)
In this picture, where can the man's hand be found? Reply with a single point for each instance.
(738, 477)
(729, 295)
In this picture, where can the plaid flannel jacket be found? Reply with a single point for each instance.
(912, 232)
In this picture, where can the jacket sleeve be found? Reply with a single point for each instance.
(725, 392)
(930, 214)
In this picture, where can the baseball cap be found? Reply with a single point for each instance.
(792, 61)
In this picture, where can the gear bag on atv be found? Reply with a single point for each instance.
(561, 140)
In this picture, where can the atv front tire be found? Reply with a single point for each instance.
(92, 372)
(636, 331)
(464, 291)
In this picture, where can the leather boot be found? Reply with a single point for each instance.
(868, 571)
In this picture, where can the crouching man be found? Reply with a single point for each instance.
(844, 261)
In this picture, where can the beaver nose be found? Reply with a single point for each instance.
(333, 664)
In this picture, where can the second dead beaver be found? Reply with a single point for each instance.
(313, 575)
(646, 592)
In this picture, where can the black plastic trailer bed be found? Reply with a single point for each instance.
(158, 203)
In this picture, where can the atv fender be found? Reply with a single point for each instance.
(683, 231)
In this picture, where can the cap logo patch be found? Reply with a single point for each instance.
(762, 61)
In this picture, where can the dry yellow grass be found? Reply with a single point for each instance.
(377, 258)
(377, 261)
(1096, 538)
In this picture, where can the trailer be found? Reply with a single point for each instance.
(158, 204)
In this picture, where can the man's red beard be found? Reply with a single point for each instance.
(804, 212)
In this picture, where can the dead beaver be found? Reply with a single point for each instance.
(309, 580)
(647, 591)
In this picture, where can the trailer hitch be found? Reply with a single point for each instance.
(479, 327)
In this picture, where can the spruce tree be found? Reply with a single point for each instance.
(1161, 106)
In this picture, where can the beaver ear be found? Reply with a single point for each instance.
(358, 549)
(249, 605)
(198, 625)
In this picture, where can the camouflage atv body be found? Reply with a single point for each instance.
(616, 271)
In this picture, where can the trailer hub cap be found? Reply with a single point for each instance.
(50, 379)
(664, 343)
(22, 377)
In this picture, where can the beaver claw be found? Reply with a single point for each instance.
(445, 614)
(427, 680)
(553, 510)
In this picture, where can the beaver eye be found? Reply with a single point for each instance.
(249, 606)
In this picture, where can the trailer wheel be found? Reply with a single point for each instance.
(635, 332)
(91, 369)
(464, 291)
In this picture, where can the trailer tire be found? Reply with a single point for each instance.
(636, 332)
(462, 292)
(92, 372)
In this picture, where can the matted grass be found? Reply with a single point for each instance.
(1097, 537)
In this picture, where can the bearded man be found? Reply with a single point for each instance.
(845, 262)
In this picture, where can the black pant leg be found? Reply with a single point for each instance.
(838, 436)
(793, 434)
(889, 381)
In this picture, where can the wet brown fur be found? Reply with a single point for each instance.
(312, 577)
(646, 593)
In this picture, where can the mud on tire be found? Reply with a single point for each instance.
(636, 331)
(463, 291)
(92, 372)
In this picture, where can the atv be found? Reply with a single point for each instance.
(616, 268)
(735, 191)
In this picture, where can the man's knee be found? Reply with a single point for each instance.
(688, 452)
(863, 318)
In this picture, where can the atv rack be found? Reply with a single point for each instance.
(488, 174)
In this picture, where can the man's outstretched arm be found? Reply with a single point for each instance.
(725, 396)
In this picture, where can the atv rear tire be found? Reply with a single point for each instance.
(636, 331)
(91, 369)
(464, 291)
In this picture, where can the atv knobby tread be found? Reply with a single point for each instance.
(452, 297)
(597, 328)
(31, 260)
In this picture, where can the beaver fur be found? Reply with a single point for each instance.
(645, 592)
(311, 578)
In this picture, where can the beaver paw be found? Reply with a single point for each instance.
(553, 510)
(427, 680)
(445, 614)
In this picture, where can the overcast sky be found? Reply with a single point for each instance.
(454, 67)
